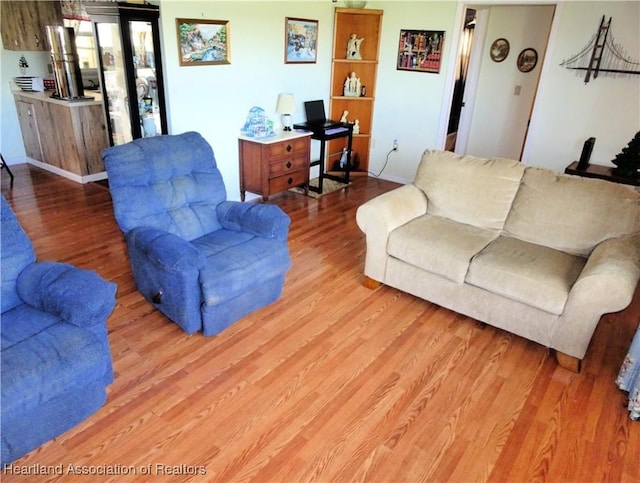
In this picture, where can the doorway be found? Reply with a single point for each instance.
(462, 67)
(490, 116)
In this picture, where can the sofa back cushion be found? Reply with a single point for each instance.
(168, 182)
(571, 213)
(17, 254)
(467, 189)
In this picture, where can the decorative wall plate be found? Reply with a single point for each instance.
(499, 50)
(527, 60)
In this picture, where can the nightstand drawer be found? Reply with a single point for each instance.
(282, 183)
(289, 147)
(285, 165)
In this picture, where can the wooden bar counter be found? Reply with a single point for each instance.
(64, 135)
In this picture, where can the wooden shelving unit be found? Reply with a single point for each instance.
(366, 24)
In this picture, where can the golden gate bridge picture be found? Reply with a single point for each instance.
(603, 55)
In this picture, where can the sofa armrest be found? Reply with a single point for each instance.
(378, 217)
(168, 251)
(267, 221)
(80, 297)
(607, 284)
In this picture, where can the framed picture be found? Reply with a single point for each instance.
(420, 50)
(300, 41)
(499, 50)
(203, 42)
(527, 60)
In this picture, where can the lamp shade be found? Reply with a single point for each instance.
(286, 104)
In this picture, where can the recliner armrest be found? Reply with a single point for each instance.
(268, 221)
(166, 249)
(79, 296)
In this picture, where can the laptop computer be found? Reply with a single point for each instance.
(316, 116)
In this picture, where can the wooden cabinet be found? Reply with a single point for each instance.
(66, 135)
(269, 166)
(29, 127)
(23, 23)
(365, 24)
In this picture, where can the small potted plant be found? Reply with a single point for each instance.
(23, 64)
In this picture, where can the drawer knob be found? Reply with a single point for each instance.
(289, 148)
(290, 180)
(289, 164)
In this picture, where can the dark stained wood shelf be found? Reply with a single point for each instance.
(600, 172)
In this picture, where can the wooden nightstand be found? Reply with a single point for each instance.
(271, 165)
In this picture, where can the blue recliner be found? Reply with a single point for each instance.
(55, 358)
(203, 261)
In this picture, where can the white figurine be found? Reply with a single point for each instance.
(344, 116)
(356, 127)
(353, 47)
(352, 86)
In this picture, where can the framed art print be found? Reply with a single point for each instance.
(499, 50)
(300, 41)
(527, 60)
(203, 42)
(420, 50)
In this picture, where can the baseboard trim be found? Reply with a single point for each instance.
(68, 174)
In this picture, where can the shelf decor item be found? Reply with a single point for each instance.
(420, 50)
(352, 86)
(499, 50)
(23, 64)
(300, 41)
(203, 42)
(628, 160)
(527, 60)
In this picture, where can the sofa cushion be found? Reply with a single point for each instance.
(467, 189)
(532, 274)
(571, 213)
(439, 245)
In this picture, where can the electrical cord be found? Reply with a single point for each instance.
(384, 166)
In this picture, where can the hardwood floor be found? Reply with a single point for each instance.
(334, 382)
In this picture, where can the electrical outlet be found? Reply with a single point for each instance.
(395, 145)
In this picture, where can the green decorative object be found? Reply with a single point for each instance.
(628, 160)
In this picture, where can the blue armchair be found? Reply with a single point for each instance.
(203, 261)
(55, 357)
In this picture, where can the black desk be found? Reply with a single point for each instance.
(322, 136)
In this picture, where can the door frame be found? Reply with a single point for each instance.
(476, 60)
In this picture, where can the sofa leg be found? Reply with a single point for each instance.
(570, 363)
(371, 283)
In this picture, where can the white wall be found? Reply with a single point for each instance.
(410, 106)
(496, 102)
(568, 111)
(215, 100)
(11, 145)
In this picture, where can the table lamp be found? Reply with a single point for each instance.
(286, 106)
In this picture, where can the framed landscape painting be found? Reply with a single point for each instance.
(203, 42)
(300, 41)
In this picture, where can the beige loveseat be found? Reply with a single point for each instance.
(533, 252)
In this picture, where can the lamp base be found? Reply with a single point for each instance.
(287, 122)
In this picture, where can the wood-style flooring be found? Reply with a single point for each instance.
(332, 383)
